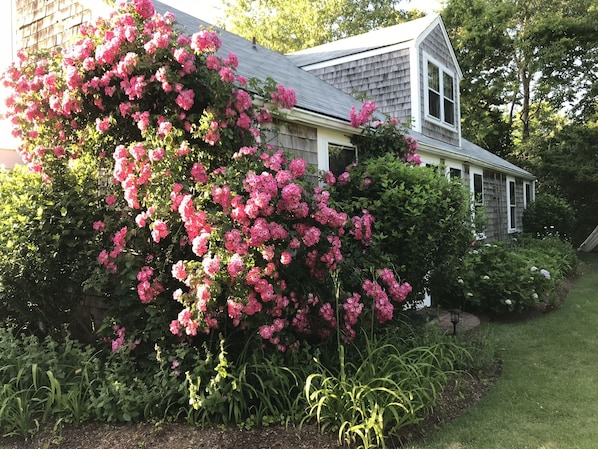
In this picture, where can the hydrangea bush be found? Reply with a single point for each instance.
(205, 229)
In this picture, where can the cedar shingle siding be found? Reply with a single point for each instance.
(48, 23)
(435, 45)
(300, 140)
(383, 78)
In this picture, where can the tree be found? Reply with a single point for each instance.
(516, 54)
(287, 26)
(569, 168)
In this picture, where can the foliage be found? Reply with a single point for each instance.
(549, 215)
(568, 168)
(379, 386)
(511, 278)
(286, 27)
(47, 246)
(419, 219)
(517, 55)
(198, 210)
(42, 379)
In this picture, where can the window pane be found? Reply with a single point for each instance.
(454, 173)
(447, 86)
(449, 111)
(339, 157)
(434, 104)
(478, 185)
(512, 193)
(433, 77)
(528, 193)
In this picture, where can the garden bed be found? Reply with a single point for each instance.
(461, 392)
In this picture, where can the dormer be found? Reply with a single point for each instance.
(410, 70)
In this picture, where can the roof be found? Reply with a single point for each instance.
(256, 61)
(469, 151)
(384, 37)
(317, 96)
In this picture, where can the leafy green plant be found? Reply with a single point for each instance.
(48, 247)
(379, 388)
(549, 215)
(421, 220)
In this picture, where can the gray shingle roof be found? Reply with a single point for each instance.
(469, 151)
(384, 37)
(256, 61)
(316, 95)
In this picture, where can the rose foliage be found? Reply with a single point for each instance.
(205, 229)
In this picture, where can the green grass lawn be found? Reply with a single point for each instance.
(547, 396)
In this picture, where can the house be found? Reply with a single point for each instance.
(409, 70)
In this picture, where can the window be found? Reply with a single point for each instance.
(339, 157)
(454, 173)
(478, 190)
(476, 180)
(528, 194)
(440, 94)
(511, 205)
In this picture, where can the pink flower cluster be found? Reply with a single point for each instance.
(364, 116)
(118, 343)
(108, 259)
(148, 289)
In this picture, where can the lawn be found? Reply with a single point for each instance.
(547, 396)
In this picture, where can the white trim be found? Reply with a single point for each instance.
(438, 21)
(326, 137)
(469, 160)
(416, 93)
(358, 56)
(442, 69)
(473, 171)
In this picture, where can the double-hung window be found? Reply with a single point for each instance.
(511, 205)
(440, 93)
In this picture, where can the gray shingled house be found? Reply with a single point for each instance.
(409, 70)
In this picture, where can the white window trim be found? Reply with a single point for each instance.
(443, 69)
(325, 138)
(449, 165)
(509, 205)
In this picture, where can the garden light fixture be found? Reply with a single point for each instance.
(455, 317)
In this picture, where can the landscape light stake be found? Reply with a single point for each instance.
(455, 317)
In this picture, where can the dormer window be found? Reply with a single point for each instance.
(440, 93)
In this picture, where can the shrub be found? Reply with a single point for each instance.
(419, 220)
(549, 215)
(198, 210)
(497, 279)
(48, 247)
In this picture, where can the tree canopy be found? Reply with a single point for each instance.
(287, 26)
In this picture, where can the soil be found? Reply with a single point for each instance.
(461, 392)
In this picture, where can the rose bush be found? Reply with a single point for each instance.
(205, 228)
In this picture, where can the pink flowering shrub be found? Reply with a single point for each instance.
(205, 230)
(416, 220)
